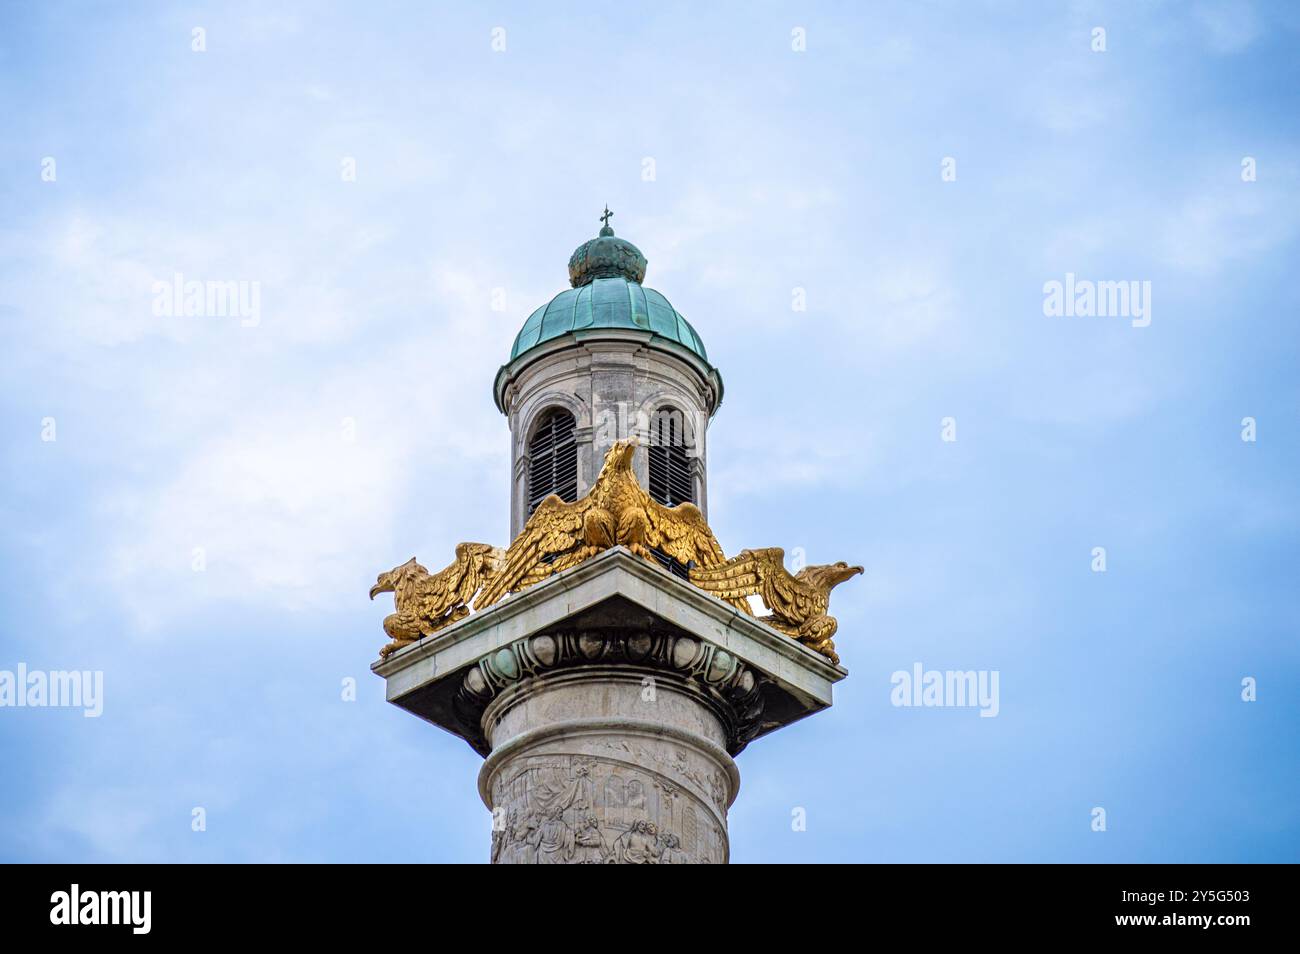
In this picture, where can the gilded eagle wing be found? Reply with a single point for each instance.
(682, 533)
(753, 572)
(550, 541)
(475, 564)
(427, 596)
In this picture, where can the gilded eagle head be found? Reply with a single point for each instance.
(619, 456)
(388, 582)
(826, 576)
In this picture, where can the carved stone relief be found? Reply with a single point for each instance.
(575, 809)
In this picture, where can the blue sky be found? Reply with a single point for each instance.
(774, 170)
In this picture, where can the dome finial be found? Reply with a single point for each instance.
(606, 257)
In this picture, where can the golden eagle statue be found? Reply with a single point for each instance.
(424, 603)
(615, 512)
(798, 602)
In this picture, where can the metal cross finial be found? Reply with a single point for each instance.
(607, 216)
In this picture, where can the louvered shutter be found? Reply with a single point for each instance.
(553, 459)
(670, 473)
(670, 466)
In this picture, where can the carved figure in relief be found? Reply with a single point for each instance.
(639, 845)
(589, 846)
(552, 840)
(526, 835)
(552, 816)
(672, 853)
(501, 836)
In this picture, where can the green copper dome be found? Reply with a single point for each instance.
(607, 303)
(606, 274)
(607, 296)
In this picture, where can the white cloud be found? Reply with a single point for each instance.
(1215, 226)
(282, 513)
(290, 513)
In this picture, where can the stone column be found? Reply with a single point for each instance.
(608, 703)
(610, 743)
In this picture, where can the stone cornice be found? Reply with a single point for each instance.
(707, 374)
(606, 569)
(610, 618)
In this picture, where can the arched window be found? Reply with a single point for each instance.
(553, 459)
(670, 466)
